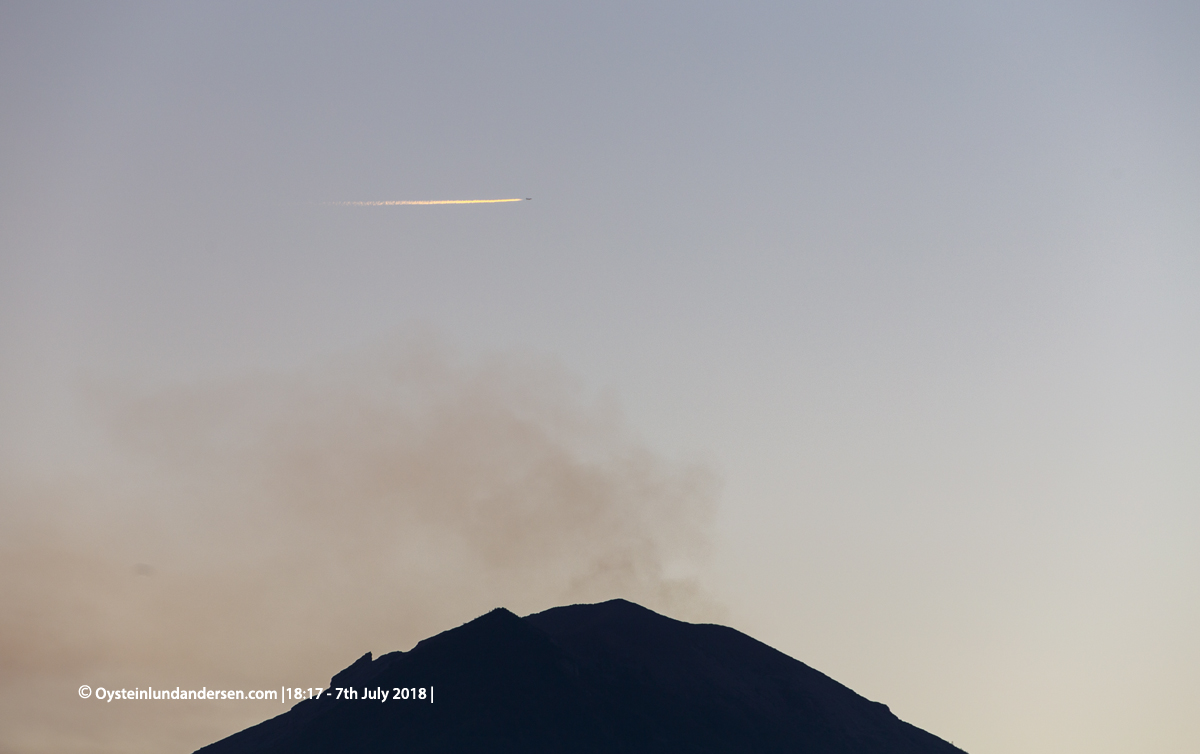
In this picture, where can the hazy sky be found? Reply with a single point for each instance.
(869, 329)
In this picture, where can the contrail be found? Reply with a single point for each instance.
(436, 201)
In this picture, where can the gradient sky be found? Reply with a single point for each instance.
(869, 329)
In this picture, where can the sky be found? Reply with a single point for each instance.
(869, 329)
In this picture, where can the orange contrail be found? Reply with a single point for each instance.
(436, 201)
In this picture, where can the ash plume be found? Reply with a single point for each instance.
(257, 532)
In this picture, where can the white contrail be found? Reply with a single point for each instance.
(436, 201)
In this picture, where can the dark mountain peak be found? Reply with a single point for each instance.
(489, 632)
(605, 677)
(612, 611)
(359, 669)
(614, 617)
(494, 615)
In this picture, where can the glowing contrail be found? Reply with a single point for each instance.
(436, 201)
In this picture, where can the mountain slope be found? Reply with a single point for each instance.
(610, 677)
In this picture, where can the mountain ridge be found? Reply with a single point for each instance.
(606, 677)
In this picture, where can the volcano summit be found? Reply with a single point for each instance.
(609, 677)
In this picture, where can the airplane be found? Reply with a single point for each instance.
(529, 198)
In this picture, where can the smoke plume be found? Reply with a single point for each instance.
(264, 532)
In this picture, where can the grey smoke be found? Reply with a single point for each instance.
(294, 521)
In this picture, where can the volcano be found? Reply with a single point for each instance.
(612, 677)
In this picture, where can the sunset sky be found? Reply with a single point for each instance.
(869, 329)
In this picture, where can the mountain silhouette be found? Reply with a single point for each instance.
(612, 677)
